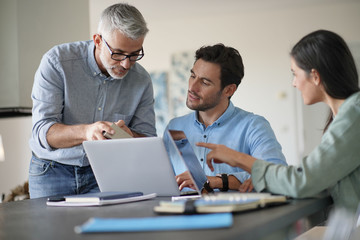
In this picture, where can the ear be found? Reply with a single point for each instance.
(316, 77)
(97, 39)
(229, 90)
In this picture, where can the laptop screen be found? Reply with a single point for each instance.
(183, 157)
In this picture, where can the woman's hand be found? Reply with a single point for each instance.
(222, 154)
(219, 154)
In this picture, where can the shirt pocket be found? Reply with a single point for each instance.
(118, 116)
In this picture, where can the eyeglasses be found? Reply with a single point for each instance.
(121, 56)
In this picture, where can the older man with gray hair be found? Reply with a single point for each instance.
(79, 90)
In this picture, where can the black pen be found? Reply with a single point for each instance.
(56, 199)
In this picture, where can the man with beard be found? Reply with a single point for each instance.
(79, 90)
(215, 76)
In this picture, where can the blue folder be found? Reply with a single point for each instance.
(163, 223)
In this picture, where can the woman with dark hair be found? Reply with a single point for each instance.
(324, 71)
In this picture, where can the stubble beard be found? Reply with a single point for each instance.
(213, 102)
(110, 68)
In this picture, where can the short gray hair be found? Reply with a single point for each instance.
(124, 18)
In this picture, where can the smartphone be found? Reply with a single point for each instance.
(119, 133)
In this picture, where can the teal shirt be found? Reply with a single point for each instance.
(334, 165)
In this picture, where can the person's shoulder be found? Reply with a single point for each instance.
(140, 72)
(347, 118)
(69, 51)
(180, 121)
(351, 105)
(354, 99)
(182, 118)
(248, 116)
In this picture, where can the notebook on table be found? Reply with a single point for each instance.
(221, 202)
(97, 199)
(149, 224)
(139, 164)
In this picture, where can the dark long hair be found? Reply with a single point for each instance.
(329, 55)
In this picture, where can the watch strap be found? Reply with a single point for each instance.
(225, 180)
(207, 187)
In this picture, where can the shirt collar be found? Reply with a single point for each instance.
(222, 119)
(95, 70)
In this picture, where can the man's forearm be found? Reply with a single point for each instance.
(216, 182)
(138, 134)
(65, 136)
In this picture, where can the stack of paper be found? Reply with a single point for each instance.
(99, 199)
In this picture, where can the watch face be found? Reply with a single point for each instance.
(207, 186)
(221, 174)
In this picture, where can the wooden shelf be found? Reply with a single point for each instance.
(15, 112)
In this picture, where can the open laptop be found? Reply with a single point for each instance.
(141, 164)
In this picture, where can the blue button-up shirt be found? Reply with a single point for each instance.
(237, 129)
(69, 88)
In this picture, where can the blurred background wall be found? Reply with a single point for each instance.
(262, 30)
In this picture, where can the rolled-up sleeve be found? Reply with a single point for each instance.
(258, 175)
(47, 97)
(262, 142)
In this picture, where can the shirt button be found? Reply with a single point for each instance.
(204, 136)
(104, 82)
(299, 169)
(201, 159)
(99, 108)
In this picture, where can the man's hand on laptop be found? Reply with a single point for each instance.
(184, 180)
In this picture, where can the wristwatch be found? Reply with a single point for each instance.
(225, 180)
(207, 187)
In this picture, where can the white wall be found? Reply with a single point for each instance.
(15, 133)
(264, 32)
(9, 74)
(43, 24)
(28, 29)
